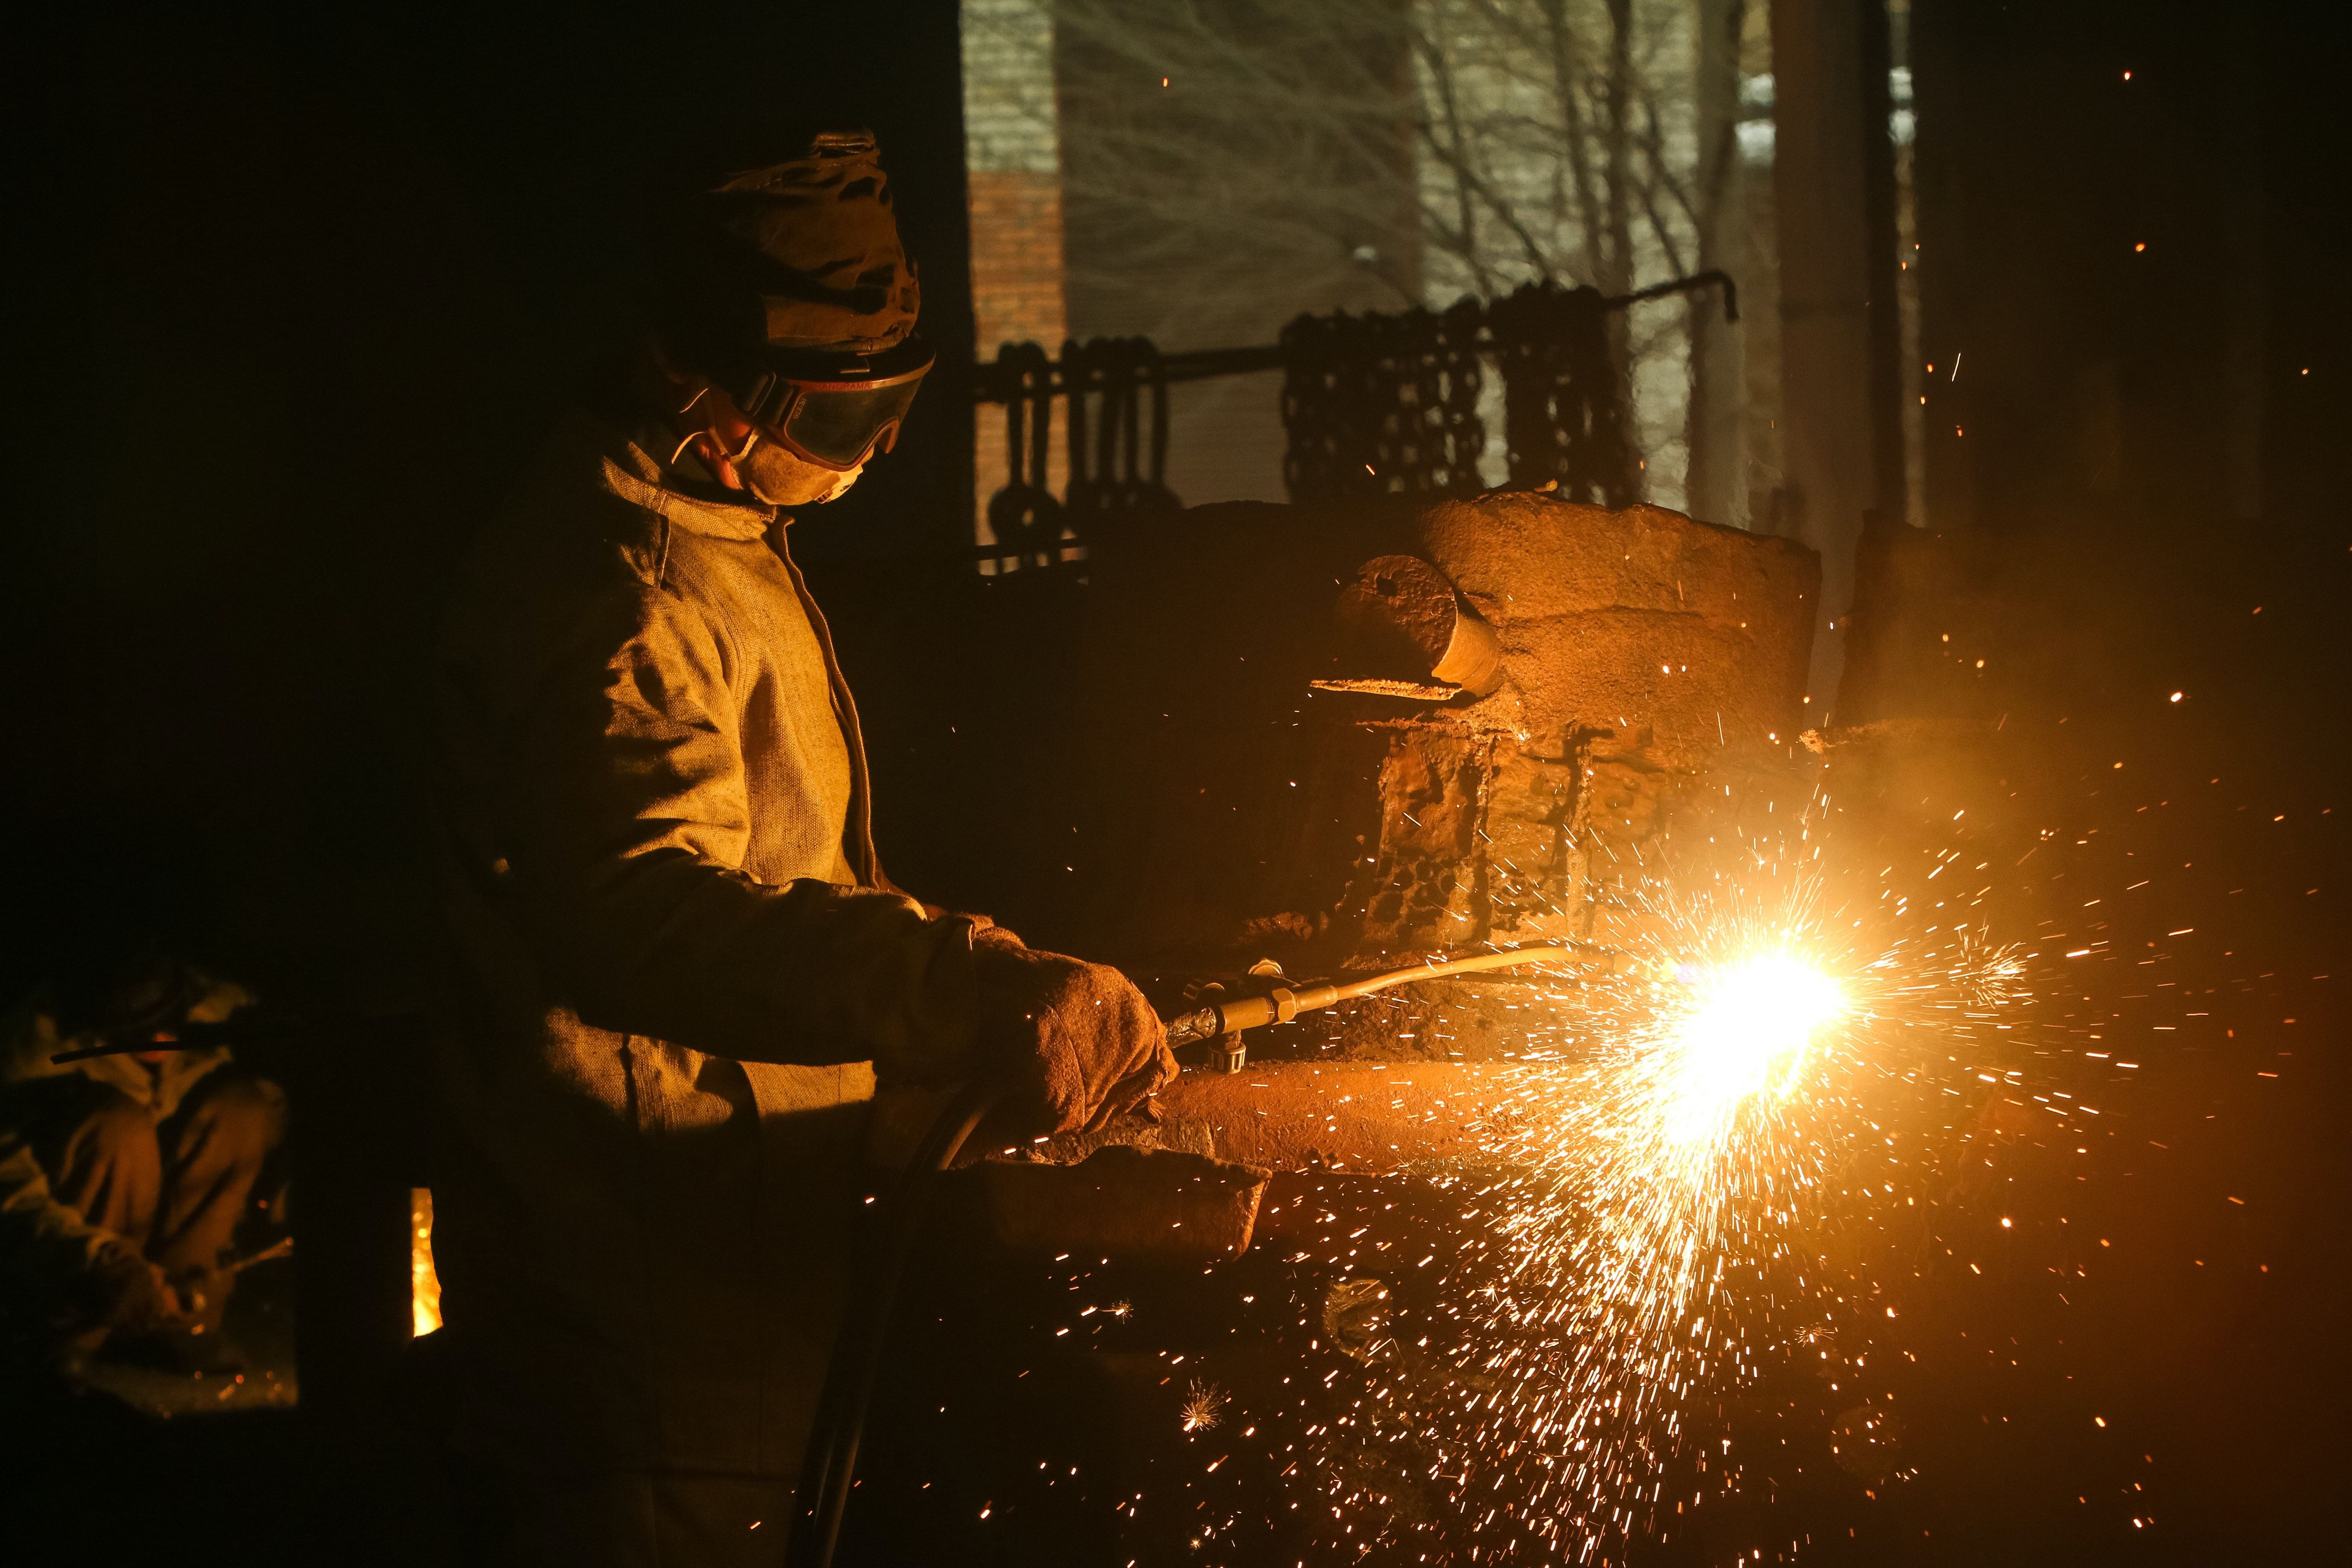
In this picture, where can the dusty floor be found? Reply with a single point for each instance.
(122, 1464)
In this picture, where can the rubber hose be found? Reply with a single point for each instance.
(829, 1469)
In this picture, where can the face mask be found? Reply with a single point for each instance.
(778, 478)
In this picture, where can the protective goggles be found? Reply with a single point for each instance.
(835, 411)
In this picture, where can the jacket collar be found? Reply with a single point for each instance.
(637, 476)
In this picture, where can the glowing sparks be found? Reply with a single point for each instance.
(1651, 1197)
(1205, 1407)
(1675, 1173)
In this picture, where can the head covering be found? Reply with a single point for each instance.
(127, 993)
(797, 256)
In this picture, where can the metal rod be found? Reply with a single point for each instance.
(991, 384)
(191, 1036)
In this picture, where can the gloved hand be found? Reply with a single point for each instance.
(981, 925)
(1077, 1041)
(123, 1292)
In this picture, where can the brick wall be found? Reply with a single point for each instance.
(1012, 149)
(1017, 257)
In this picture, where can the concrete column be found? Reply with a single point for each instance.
(1820, 184)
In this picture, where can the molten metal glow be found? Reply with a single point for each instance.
(424, 1279)
(1747, 1033)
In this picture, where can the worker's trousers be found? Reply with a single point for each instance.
(175, 1189)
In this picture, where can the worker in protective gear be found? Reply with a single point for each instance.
(123, 1177)
(683, 973)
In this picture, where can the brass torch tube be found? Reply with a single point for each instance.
(1284, 1003)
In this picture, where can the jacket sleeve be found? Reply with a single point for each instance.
(43, 1243)
(628, 813)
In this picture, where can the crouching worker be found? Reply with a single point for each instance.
(682, 973)
(124, 1177)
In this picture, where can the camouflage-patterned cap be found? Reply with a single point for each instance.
(797, 256)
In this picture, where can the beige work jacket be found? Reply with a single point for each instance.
(679, 966)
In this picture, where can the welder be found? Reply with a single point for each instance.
(682, 972)
(129, 1154)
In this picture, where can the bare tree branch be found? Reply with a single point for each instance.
(1654, 151)
(1451, 152)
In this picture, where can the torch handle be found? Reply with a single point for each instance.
(1284, 1003)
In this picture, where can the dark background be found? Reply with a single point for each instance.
(294, 294)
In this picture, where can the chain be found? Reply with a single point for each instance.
(1376, 404)
(1025, 517)
(1563, 402)
(1371, 404)
(1117, 475)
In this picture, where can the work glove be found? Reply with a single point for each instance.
(1076, 1041)
(121, 1292)
(983, 927)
